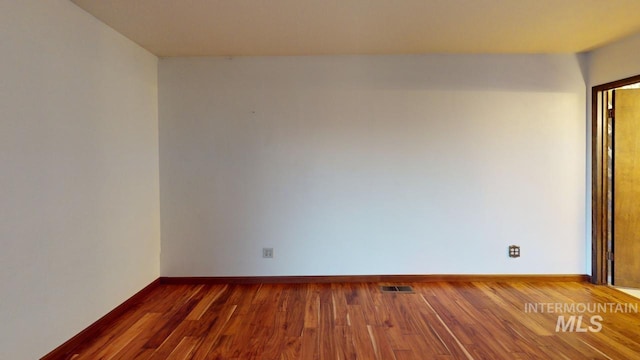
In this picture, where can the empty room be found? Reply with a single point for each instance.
(302, 179)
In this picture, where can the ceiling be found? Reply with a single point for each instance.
(314, 27)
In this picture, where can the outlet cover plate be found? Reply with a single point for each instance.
(514, 251)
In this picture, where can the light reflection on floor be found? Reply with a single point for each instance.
(632, 292)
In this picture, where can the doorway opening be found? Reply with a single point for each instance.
(616, 183)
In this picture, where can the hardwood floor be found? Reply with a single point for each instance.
(439, 320)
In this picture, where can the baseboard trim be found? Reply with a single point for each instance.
(65, 350)
(372, 278)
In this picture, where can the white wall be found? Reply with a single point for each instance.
(372, 165)
(615, 61)
(79, 187)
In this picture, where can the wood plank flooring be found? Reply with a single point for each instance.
(439, 320)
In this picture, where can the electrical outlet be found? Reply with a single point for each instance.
(267, 253)
(514, 251)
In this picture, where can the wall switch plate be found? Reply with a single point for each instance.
(267, 253)
(514, 251)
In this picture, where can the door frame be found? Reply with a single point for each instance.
(599, 185)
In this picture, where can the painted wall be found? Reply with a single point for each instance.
(79, 187)
(615, 61)
(372, 165)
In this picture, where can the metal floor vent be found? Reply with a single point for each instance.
(399, 289)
